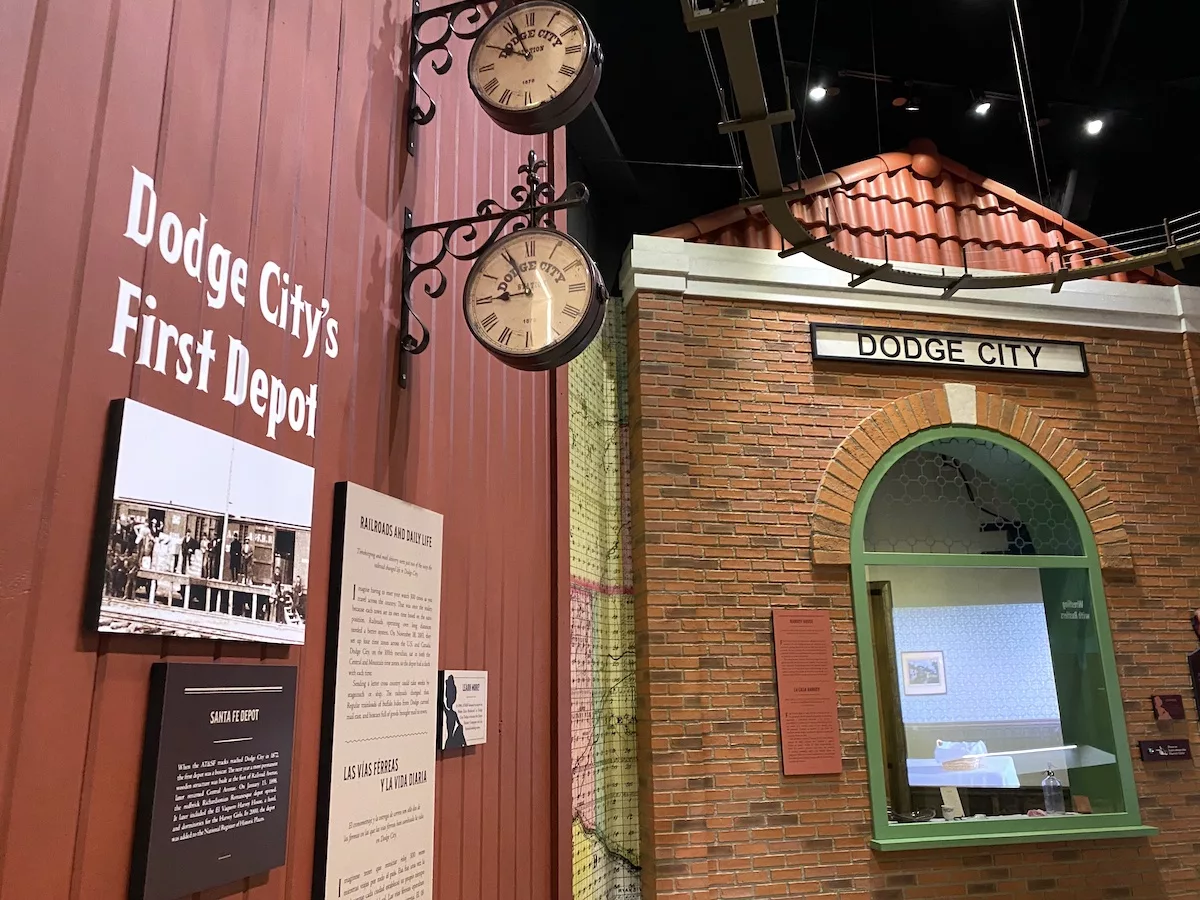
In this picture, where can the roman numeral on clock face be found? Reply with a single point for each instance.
(505, 336)
(571, 311)
(490, 87)
(489, 321)
(530, 248)
(530, 19)
(577, 288)
(569, 71)
(505, 97)
(574, 48)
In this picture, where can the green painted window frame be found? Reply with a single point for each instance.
(923, 835)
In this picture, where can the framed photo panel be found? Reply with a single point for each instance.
(923, 672)
(197, 534)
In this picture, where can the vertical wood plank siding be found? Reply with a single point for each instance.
(278, 120)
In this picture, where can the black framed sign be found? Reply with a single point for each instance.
(948, 349)
(216, 777)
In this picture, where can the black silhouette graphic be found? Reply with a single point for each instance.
(453, 729)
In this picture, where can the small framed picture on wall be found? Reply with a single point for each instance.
(923, 672)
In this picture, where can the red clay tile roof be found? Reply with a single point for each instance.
(931, 210)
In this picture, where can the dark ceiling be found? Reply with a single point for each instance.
(1133, 65)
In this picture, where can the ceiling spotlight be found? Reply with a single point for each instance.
(817, 94)
(982, 107)
(913, 105)
(1094, 126)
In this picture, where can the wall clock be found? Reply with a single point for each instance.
(535, 66)
(534, 299)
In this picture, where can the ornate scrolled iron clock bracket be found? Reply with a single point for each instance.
(465, 19)
(536, 206)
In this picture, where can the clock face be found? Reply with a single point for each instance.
(529, 56)
(532, 292)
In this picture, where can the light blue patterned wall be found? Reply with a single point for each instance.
(998, 666)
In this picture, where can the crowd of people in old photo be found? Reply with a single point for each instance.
(140, 545)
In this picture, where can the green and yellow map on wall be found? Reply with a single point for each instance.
(603, 693)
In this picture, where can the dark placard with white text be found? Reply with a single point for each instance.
(216, 777)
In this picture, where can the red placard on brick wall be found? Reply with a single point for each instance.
(808, 720)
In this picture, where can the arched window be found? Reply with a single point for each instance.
(985, 650)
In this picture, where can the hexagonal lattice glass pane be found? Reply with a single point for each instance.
(967, 495)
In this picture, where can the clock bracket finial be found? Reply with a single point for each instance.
(536, 206)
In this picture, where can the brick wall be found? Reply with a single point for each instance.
(732, 430)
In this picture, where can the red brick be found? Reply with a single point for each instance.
(776, 451)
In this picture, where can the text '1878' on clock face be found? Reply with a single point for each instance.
(529, 56)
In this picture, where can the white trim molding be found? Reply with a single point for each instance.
(710, 271)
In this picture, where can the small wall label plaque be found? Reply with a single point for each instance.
(1161, 751)
(462, 709)
(1168, 707)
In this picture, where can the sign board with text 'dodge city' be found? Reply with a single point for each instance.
(947, 349)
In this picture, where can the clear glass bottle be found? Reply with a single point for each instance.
(1052, 794)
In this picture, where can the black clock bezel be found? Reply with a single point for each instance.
(565, 350)
(561, 110)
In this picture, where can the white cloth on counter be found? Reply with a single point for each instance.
(993, 771)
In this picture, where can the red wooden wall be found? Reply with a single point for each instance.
(278, 120)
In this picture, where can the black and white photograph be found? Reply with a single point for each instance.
(924, 672)
(203, 536)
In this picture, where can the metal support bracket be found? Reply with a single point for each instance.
(791, 195)
(1060, 278)
(783, 117)
(952, 288)
(464, 19)
(1173, 253)
(536, 206)
(804, 245)
(869, 274)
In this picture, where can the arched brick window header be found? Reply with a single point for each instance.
(965, 405)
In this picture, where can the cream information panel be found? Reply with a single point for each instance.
(384, 716)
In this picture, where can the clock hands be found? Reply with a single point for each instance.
(516, 32)
(504, 295)
(504, 51)
(512, 262)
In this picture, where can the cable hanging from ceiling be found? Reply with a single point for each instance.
(1028, 106)
(728, 113)
(812, 44)
(831, 214)
(791, 98)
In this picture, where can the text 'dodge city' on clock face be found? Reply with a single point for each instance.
(534, 299)
(535, 66)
